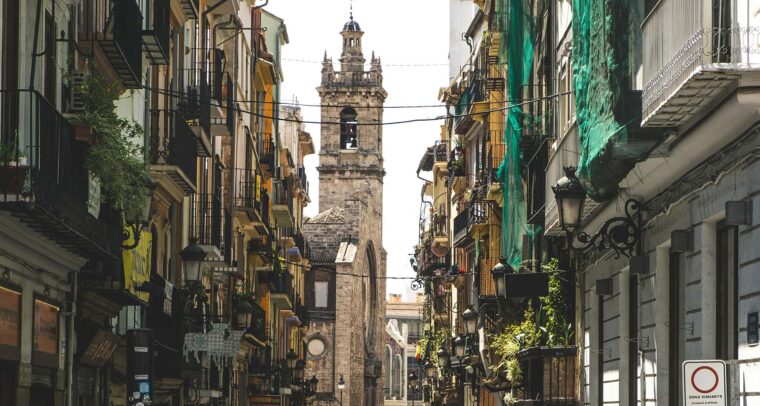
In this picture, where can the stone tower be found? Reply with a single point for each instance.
(345, 290)
(351, 156)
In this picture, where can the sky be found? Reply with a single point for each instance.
(400, 32)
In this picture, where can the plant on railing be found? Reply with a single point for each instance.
(542, 325)
(13, 169)
(116, 158)
(428, 345)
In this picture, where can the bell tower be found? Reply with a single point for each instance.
(351, 153)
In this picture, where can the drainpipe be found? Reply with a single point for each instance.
(34, 45)
(71, 316)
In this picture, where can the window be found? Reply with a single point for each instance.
(675, 324)
(320, 294)
(633, 346)
(348, 127)
(600, 355)
(726, 292)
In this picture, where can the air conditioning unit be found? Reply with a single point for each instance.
(76, 98)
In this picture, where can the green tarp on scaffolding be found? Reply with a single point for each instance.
(516, 27)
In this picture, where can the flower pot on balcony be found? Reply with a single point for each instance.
(83, 133)
(12, 177)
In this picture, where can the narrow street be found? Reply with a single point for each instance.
(366, 203)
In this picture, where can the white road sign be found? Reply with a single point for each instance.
(704, 383)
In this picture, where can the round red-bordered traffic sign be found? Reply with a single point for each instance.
(701, 390)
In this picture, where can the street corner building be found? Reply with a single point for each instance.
(589, 226)
(346, 286)
(151, 242)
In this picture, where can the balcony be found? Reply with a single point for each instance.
(282, 203)
(119, 39)
(248, 199)
(302, 180)
(536, 184)
(173, 149)
(217, 82)
(496, 155)
(439, 227)
(224, 125)
(472, 102)
(548, 374)
(50, 192)
(280, 287)
(472, 222)
(266, 152)
(208, 221)
(255, 325)
(190, 9)
(155, 34)
(694, 58)
(486, 285)
(195, 106)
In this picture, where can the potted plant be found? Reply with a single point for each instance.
(535, 353)
(116, 158)
(13, 169)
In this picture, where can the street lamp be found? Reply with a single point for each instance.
(300, 366)
(621, 233)
(429, 369)
(443, 357)
(341, 386)
(498, 272)
(570, 197)
(192, 259)
(459, 344)
(291, 357)
(313, 382)
(470, 317)
(412, 384)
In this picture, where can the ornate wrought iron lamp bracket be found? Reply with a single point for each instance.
(621, 234)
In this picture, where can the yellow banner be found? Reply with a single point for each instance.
(137, 263)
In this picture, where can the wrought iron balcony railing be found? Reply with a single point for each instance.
(155, 34)
(266, 150)
(49, 186)
(208, 220)
(117, 31)
(195, 102)
(174, 147)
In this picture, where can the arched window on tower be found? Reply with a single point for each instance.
(348, 127)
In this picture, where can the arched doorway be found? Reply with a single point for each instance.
(370, 299)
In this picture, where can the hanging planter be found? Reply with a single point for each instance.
(527, 284)
(83, 133)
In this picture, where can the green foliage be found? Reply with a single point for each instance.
(116, 158)
(9, 153)
(546, 327)
(555, 308)
(429, 345)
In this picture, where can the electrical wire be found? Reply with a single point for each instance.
(319, 269)
(404, 65)
(379, 124)
(319, 105)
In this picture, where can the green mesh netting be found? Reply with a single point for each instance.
(600, 72)
(516, 27)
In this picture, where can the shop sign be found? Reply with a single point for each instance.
(220, 343)
(704, 383)
(137, 264)
(45, 327)
(168, 289)
(45, 334)
(10, 317)
(101, 348)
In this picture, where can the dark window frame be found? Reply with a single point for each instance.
(726, 292)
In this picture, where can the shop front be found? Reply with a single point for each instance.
(10, 340)
(45, 352)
